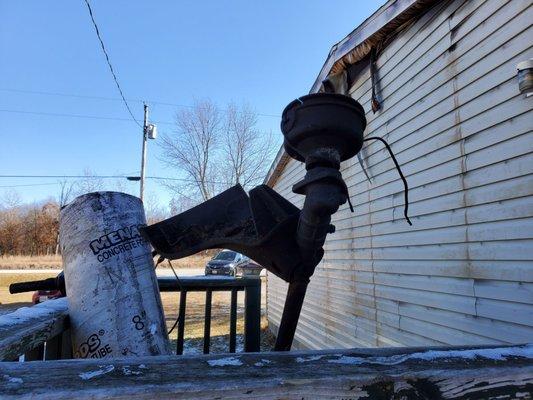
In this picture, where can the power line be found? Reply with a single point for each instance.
(43, 93)
(66, 176)
(162, 178)
(109, 62)
(80, 96)
(30, 184)
(106, 177)
(49, 114)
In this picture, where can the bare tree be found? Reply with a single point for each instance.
(247, 151)
(152, 209)
(180, 203)
(66, 192)
(193, 148)
(121, 185)
(215, 150)
(10, 199)
(90, 183)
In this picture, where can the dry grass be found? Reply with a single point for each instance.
(31, 262)
(195, 261)
(55, 262)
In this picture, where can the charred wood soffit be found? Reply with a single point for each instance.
(351, 55)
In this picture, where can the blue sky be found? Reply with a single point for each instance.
(262, 52)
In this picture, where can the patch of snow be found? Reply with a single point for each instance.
(189, 349)
(98, 372)
(500, 354)
(153, 329)
(11, 379)
(262, 363)
(221, 362)
(309, 358)
(142, 366)
(127, 371)
(25, 314)
(393, 360)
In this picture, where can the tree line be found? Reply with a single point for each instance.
(29, 229)
(33, 229)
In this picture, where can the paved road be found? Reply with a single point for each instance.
(187, 272)
(160, 271)
(180, 271)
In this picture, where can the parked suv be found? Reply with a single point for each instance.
(226, 263)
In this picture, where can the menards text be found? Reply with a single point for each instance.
(116, 242)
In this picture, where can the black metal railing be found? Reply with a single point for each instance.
(47, 336)
(252, 307)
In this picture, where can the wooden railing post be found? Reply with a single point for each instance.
(252, 315)
(25, 331)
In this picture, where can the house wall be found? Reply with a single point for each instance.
(452, 112)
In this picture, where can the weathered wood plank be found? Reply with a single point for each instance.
(28, 327)
(356, 374)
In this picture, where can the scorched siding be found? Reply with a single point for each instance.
(463, 273)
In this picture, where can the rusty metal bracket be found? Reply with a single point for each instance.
(320, 130)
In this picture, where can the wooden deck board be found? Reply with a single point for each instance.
(353, 374)
(27, 327)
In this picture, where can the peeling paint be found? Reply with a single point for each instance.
(306, 359)
(221, 362)
(262, 363)
(98, 372)
(11, 379)
(497, 354)
(127, 371)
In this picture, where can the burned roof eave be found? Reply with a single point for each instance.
(385, 21)
(388, 19)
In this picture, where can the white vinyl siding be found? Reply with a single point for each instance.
(452, 112)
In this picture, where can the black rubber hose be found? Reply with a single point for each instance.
(405, 185)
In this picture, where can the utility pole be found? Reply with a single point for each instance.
(143, 160)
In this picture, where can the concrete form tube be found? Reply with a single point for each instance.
(114, 302)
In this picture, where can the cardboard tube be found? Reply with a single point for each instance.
(114, 302)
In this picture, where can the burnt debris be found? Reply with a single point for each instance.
(321, 130)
